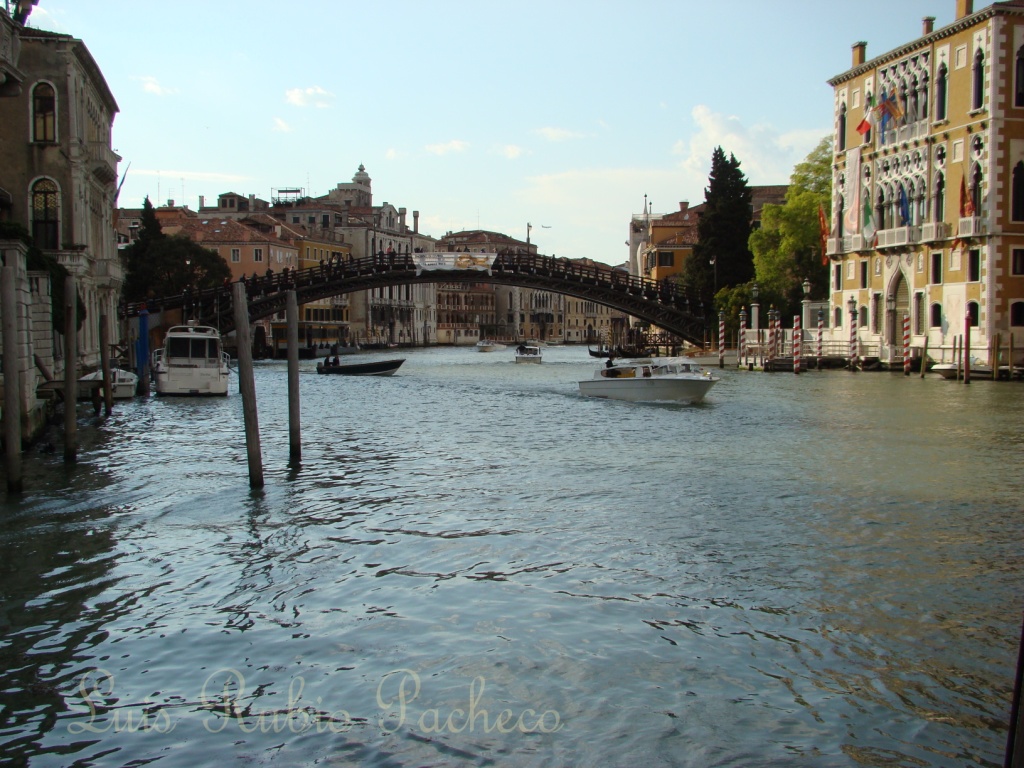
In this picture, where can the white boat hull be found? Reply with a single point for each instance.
(648, 390)
(528, 358)
(124, 384)
(191, 363)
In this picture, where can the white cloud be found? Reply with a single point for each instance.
(765, 155)
(314, 96)
(558, 134)
(152, 85)
(392, 154)
(511, 151)
(455, 145)
(280, 126)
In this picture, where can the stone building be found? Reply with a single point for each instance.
(58, 177)
(928, 188)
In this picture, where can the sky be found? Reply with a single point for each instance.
(564, 114)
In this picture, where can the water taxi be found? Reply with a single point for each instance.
(528, 353)
(668, 379)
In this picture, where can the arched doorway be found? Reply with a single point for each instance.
(900, 291)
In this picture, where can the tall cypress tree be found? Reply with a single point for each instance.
(721, 258)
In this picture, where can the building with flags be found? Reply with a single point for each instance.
(928, 190)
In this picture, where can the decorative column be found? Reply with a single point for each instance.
(821, 335)
(741, 352)
(721, 339)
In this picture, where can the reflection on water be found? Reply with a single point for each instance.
(474, 565)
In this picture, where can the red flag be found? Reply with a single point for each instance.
(966, 201)
(823, 227)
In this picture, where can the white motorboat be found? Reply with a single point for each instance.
(191, 362)
(670, 379)
(486, 345)
(528, 353)
(950, 370)
(123, 384)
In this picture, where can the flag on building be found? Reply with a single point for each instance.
(884, 115)
(966, 201)
(868, 227)
(823, 230)
(865, 125)
(904, 208)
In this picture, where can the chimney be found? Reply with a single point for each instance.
(927, 25)
(401, 219)
(202, 202)
(964, 8)
(683, 205)
(416, 222)
(170, 203)
(860, 53)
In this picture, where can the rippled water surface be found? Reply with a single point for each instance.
(475, 566)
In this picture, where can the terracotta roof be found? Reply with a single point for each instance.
(214, 230)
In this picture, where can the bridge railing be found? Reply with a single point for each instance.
(271, 282)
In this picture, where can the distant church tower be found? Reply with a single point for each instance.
(358, 194)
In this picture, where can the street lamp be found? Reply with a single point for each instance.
(805, 314)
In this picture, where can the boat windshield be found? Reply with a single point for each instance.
(193, 348)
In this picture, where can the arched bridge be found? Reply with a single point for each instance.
(659, 303)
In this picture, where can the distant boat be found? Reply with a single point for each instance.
(528, 353)
(486, 345)
(949, 370)
(379, 368)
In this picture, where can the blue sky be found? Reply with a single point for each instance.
(477, 114)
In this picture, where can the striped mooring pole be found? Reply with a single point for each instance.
(906, 345)
(797, 334)
(741, 352)
(853, 340)
(821, 335)
(721, 339)
(771, 334)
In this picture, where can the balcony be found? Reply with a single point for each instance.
(936, 230)
(833, 245)
(972, 226)
(853, 243)
(898, 237)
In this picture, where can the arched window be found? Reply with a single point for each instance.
(941, 85)
(1018, 79)
(1017, 195)
(978, 94)
(44, 113)
(863, 317)
(940, 198)
(839, 216)
(881, 222)
(973, 313)
(45, 229)
(842, 127)
(936, 316)
(837, 317)
(922, 99)
(1017, 313)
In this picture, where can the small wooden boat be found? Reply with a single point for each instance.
(378, 368)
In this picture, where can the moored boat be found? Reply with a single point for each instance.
(666, 379)
(378, 368)
(191, 362)
(951, 370)
(123, 384)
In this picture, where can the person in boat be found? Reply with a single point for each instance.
(335, 361)
(609, 363)
(327, 361)
(521, 349)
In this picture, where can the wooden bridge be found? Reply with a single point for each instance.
(659, 303)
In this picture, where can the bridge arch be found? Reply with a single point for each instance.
(659, 303)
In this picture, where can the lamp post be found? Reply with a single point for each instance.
(805, 315)
(852, 304)
(188, 290)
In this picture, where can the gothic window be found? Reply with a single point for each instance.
(44, 113)
(923, 99)
(972, 313)
(941, 85)
(842, 127)
(940, 198)
(978, 80)
(975, 190)
(45, 230)
(936, 316)
(1017, 194)
(1018, 79)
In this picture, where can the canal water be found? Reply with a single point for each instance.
(473, 565)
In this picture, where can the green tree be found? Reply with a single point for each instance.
(167, 265)
(721, 257)
(787, 246)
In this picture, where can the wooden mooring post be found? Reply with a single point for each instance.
(70, 370)
(247, 386)
(294, 411)
(12, 380)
